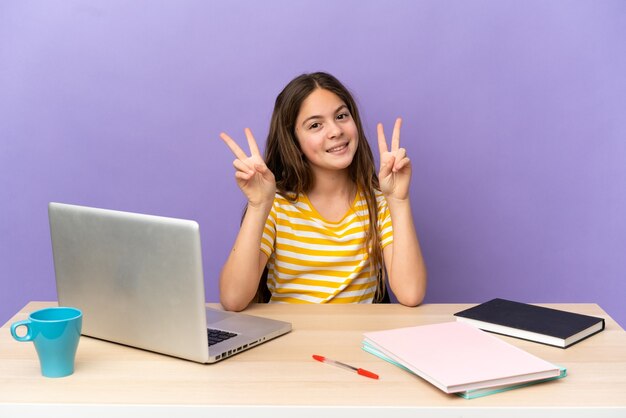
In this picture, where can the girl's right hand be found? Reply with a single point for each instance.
(253, 177)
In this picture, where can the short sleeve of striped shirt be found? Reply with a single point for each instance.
(269, 231)
(384, 221)
(311, 260)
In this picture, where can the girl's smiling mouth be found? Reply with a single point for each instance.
(338, 148)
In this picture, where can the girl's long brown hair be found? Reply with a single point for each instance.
(293, 173)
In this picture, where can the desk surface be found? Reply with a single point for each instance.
(281, 372)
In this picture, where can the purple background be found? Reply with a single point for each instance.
(515, 120)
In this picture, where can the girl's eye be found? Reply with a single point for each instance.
(314, 125)
(343, 116)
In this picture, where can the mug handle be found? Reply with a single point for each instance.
(28, 336)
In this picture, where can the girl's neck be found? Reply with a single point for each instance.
(333, 185)
(332, 195)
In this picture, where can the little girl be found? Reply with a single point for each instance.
(319, 220)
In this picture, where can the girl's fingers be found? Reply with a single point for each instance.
(400, 156)
(382, 142)
(246, 172)
(254, 149)
(236, 149)
(241, 166)
(265, 172)
(386, 168)
(241, 175)
(405, 162)
(233, 146)
(395, 137)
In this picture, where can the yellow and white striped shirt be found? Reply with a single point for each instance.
(312, 260)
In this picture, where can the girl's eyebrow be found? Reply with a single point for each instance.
(319, 116)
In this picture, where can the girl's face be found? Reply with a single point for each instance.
(326, 131)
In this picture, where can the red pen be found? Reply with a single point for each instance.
(345, 366)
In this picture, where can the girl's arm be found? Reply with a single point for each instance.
(239, 279)
(403, 258)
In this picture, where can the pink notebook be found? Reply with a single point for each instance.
(457, 357)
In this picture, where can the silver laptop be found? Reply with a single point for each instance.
(138, 280)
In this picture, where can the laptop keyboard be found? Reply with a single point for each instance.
(217, 336)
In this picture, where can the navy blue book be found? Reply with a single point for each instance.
(530, 322)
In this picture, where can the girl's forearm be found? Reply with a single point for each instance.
(240, 275)
(407, 273)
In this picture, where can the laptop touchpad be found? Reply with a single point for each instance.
(213, 316)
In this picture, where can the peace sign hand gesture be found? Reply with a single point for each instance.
(395, 166)
(253, 177)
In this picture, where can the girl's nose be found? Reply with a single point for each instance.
(334, 130)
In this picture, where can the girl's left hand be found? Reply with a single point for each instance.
(395, 166)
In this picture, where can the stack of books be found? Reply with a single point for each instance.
(459, 358)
